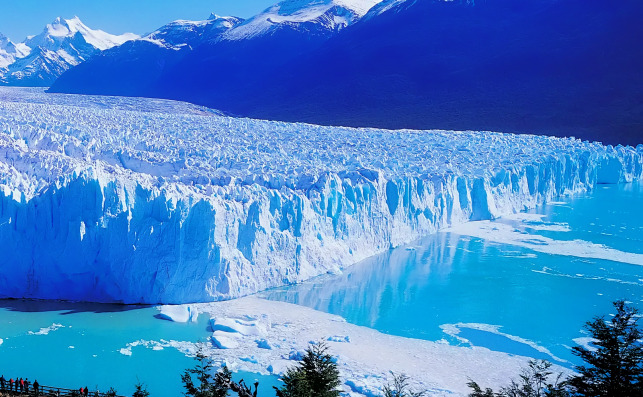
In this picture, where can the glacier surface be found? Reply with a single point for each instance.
(150, 201)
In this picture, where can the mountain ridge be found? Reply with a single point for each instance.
(224, 57)
(563, 68)
(40, 59)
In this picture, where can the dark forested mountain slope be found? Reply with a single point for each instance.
(556, 67)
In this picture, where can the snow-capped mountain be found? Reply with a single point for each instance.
(312, 16)
(407, 64)
(223, 55)
(136, 66)
(182, 33)
(41, 59)
(58, 33)
(9, 51)
(387, 5)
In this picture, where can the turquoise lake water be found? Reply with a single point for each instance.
(447, 278)
(538, 302)
(85, 351)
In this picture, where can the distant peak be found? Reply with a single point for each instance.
(330, 15)
(72, 24)
(216, 17)
(6, 44)
(287, 7)
(57, 33)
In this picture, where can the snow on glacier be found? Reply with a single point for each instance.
(142, 200)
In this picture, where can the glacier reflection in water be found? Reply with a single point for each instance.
(467, 285)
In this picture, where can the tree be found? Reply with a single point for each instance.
(140, 391)
(208, 386)
(536, 380)
(316, 375)
(212, 386)
(400, 388)
(478, 392)
(111, 392)
(615, 363)
(242, 390)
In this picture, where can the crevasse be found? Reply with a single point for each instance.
(174, 204)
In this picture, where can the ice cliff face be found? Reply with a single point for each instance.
(172, 203)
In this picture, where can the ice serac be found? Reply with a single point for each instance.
(171, 203)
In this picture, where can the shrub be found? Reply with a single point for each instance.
(207, 385)
(400, 388)
(140, 390)
(535, 381)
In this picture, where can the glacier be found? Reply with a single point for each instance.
(153, 201)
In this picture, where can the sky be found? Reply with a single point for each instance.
(20, 18)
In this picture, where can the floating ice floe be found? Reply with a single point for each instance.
(236, 325)
(225, 340)
(47, 330)
(187, 348)
(586, 342)
(454, 331)
(179, 313)
(508, 234)
(365, 357)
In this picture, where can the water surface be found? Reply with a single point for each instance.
(540, 301)
(74, 345)
(465, 290)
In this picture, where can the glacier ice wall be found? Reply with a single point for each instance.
(170, 203)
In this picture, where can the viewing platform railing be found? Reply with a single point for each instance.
(49, 391)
